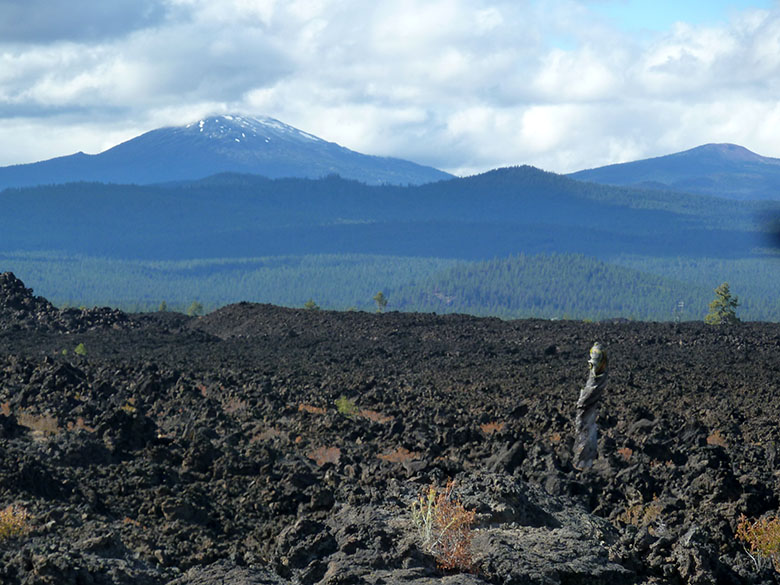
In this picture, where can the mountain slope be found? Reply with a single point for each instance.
(261, 146)
(721, 170)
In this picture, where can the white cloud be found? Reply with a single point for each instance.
(464, 85)
(582, 75)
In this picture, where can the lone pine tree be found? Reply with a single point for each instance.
(723, 309)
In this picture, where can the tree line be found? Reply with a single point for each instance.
(517, 286)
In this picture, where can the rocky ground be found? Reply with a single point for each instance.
(262, 445)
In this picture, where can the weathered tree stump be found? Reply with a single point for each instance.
(586, 439)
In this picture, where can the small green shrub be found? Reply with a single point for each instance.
(81, 350)
(346, 406)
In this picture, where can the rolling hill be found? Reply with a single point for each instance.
(501, 212)
(721, 170)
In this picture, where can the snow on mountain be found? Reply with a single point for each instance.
(218, 144)
(238, 128)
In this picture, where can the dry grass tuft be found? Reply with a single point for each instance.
(641, 514)
(444, 527)
(761, 540)
(14, 521)
(42, 423)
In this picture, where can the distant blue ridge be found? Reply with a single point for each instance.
(721, 170)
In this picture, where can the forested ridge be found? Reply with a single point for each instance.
(515, 242)
(498, 213)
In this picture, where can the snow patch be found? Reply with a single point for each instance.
(244, 128)
(271, 123)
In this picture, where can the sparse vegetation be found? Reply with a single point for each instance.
(346, 406)
(642, 514)
(81, 350)
(761, 540)
(310, 305)
(381, 301)
(14, 521)
(129, 406)
(195, 309)
(252, 428)
(45, 424)
(444, 527)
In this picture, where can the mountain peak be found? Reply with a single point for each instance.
(726, 151)
(225, 143)
(238, 127)
(723, 170)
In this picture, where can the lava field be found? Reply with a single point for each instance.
(267, 445)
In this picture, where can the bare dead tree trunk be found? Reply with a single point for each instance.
(586, 438)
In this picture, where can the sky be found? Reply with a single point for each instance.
(462, 85)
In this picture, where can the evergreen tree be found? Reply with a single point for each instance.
(381, 301)
(723, 309)
(195, 309)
